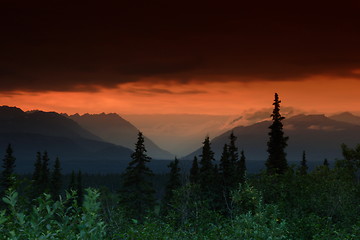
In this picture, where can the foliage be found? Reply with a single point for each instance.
(241, 168)
(194, 171)
(45, 174)
(303, 165)
(79, 189)
(172, 184)
(56, 180)
(49, 219)
(7, 175)
(206, 173)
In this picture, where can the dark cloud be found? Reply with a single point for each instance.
(152, 91)
(80, 45)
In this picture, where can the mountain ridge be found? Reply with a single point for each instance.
(114, 129)
(33, 131)
(318, 135)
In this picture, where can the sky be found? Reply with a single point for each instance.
(179, 57)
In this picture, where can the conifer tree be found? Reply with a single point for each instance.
(237, 168)
(173, 184)
(79, 189)
(56, 180)
(303, 166)
(72, 183)
(45, 173)
(37, 168)
(276, 162)
(7, 176)
(206, 172)
(225, 168)
(241, 168)
(194, 171)
(36, 177)
(326, 163)
(137, 193)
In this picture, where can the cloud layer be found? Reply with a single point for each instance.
(84, 45)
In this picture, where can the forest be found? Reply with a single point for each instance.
(216, 199)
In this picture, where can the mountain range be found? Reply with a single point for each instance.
(319, 136)
(30, 132)
(104, 142)
(114, 129)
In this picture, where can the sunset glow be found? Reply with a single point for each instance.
(322, 95)
(163, 58)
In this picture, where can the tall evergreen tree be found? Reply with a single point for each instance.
(72, 183)
(241, 168)
(7, 176)
(194, 171)
(234, 158)
(303, 166)
(79, 189)
(137, 193)
(36, 177)
(276, 162)
(56, 177)
(37, 168)
(45, 173)
(326, 163)
(206, 172)
(233, 150)
(173, 184)
(225, 168)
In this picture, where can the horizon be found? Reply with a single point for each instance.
(191, 129)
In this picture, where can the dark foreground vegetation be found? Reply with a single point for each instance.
(214, 200)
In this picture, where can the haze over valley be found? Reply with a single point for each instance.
(90, 140)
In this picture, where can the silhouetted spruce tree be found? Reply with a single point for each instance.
(241, 168)
(36, 177)
(8, 177)
(72, 183)
(79, 189)
(137, 193)
(226, 169)
(215, 192)
(303, 166)
(56, 177)
(173, 183)
(234, 157)
(45, 174)
(276, 162)
(326, 163)
(206, 171)
(194, 171)
(37, 168)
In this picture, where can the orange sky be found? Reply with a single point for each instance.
(197, 57)
(316, 94)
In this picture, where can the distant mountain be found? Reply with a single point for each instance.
(346, 117)
(33, 131)
(318, 135)
(13, 119)
(185, 131)
(114, 129)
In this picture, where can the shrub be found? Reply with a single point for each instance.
(52, 220)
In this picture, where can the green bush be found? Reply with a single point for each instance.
(52, 220)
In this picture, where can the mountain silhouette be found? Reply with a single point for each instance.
(114, 129)
(346, 117)
(33, 131)
(318, 135)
